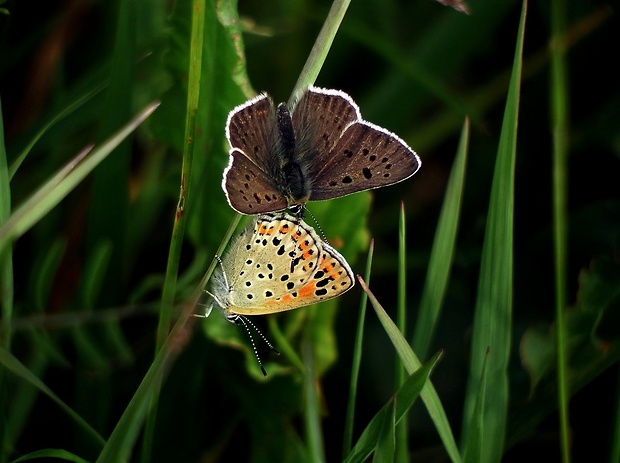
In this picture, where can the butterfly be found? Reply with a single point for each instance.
(278, 263)
(319, 149)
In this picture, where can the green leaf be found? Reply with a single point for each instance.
(492, 330)
(442, 253)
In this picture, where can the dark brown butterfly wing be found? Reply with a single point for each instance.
(319, 118)
(250, 181)
(365, 156)
(248, 188)
(252, 129)
(341, 153)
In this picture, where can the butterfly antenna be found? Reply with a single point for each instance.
(241, 320)
(318, 226)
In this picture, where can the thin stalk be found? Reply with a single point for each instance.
(6, 280)
(321, 47)
(559, 123)
(402, 452)
(180, 219)
(357, 360)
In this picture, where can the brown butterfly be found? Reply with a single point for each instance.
(319, 149)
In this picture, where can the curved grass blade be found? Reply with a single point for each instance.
(72, 107)
(61, 184)
(58, 454)
(12, 364)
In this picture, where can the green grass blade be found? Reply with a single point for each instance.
(7, 281)
(492, 328)
(442, 252)
(123, 437)
(180, 219)
(321, 47)
(476, 441)
(559, 128)
(402, 433)
(312, 408)
(61, 184)
(13, 365)
(70, 109)
(401, 402)
(357, 359)
(385, 450)
(58, 454)
(411, 363)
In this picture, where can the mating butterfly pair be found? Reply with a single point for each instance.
(280, 158)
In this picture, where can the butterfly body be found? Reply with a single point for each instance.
(321, 149)
(278, 263)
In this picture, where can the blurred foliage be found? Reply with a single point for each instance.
(88, 276)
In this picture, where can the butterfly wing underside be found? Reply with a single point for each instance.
(332, 278)
(276, 258)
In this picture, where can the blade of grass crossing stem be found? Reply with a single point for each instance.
(411, 363)
(442, 252)
(357, 359)
(401, 450)
(385, 450)
(321, 47)
(121, 441)
(401, 402)
(493, 314)
(178, 230)
(559, 128)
